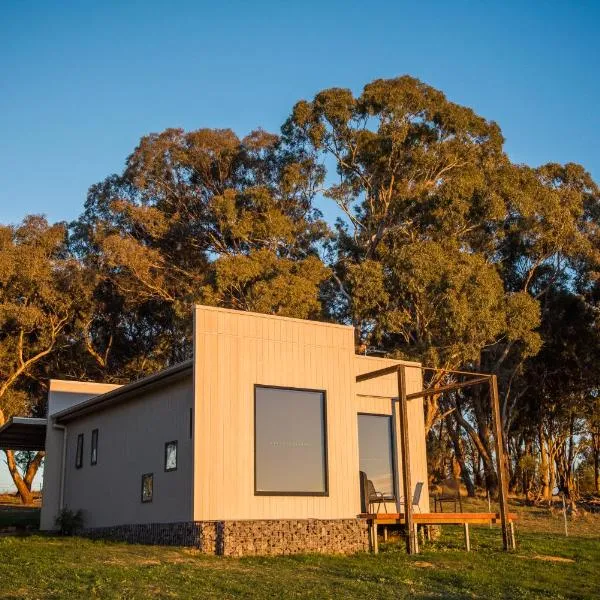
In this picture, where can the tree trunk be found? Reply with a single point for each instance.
(33, 468)
(596, 454)
(24, 491)
(514, 460)
(491, 478)
(597, 467)
(544, 466)
(460, 456)
(477, 464)
(569, 487)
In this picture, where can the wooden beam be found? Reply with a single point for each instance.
(500, 463)
(467, 538)
(378, 373)
(454, 371)
(405, 457)
(438, 518)
(447, 388)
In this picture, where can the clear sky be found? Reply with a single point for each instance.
(80, 82)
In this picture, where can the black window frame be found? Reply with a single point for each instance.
(94, 446)
(176, 444)
(144, 476)
(79, 451)
(322, 494)
(395, 480)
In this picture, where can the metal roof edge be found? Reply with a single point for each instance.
(121, 393)
(233, 311)
(23, 421)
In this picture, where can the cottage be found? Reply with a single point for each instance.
(254, 446)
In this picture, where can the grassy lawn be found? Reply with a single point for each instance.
(546, 565)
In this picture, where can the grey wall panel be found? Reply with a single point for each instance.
(131, 442)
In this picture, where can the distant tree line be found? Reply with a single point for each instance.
(447, 253)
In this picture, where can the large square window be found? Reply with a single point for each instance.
(290, 442)
(375, 451)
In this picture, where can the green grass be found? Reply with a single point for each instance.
(545, 565)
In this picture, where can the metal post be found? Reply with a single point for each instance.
(565, 514)
(405, 455)
(501, 462)
(467, 538)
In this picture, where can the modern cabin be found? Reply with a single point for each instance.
(255, 446)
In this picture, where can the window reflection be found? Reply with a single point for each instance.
(290, 441)
(375, 451)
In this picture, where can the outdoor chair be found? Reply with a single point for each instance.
(376, 497)
(416, 496)
(450, 493)
(370, 496)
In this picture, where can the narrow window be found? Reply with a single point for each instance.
(375, 452)
(147, 487)
(191, 422)
(94, 452)
(171, 456)
(79, 453)
(290, 449)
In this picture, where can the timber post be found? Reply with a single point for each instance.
(411, 546)
(501, 464)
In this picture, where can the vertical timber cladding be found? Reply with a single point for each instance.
(236, 350)
(377, 396)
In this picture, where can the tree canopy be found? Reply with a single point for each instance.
(448, 252)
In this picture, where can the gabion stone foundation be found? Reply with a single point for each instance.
(247, 538)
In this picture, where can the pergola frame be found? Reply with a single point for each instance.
(403, 398)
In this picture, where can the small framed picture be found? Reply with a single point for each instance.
(147, 487)
(171, 456)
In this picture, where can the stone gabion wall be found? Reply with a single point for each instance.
(270, 537)
(165, 534)
(247, 538)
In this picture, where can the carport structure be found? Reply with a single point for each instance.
(408, 518)
(23, 433)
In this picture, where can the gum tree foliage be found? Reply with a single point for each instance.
(561, 391)
(448, 253)
(447, 247)
(199, 216)
(39, 286)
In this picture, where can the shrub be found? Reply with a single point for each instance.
(69, 521)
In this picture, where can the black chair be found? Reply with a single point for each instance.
(449, 492)
(416, 499)
(369, 496)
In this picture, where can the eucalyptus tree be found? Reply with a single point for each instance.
(199, 216)
(446, 247)
(39, 287)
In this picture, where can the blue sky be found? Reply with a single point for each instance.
(80, 82)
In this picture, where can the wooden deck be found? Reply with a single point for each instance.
(437, 518)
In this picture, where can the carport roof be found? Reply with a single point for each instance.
(23, 433)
